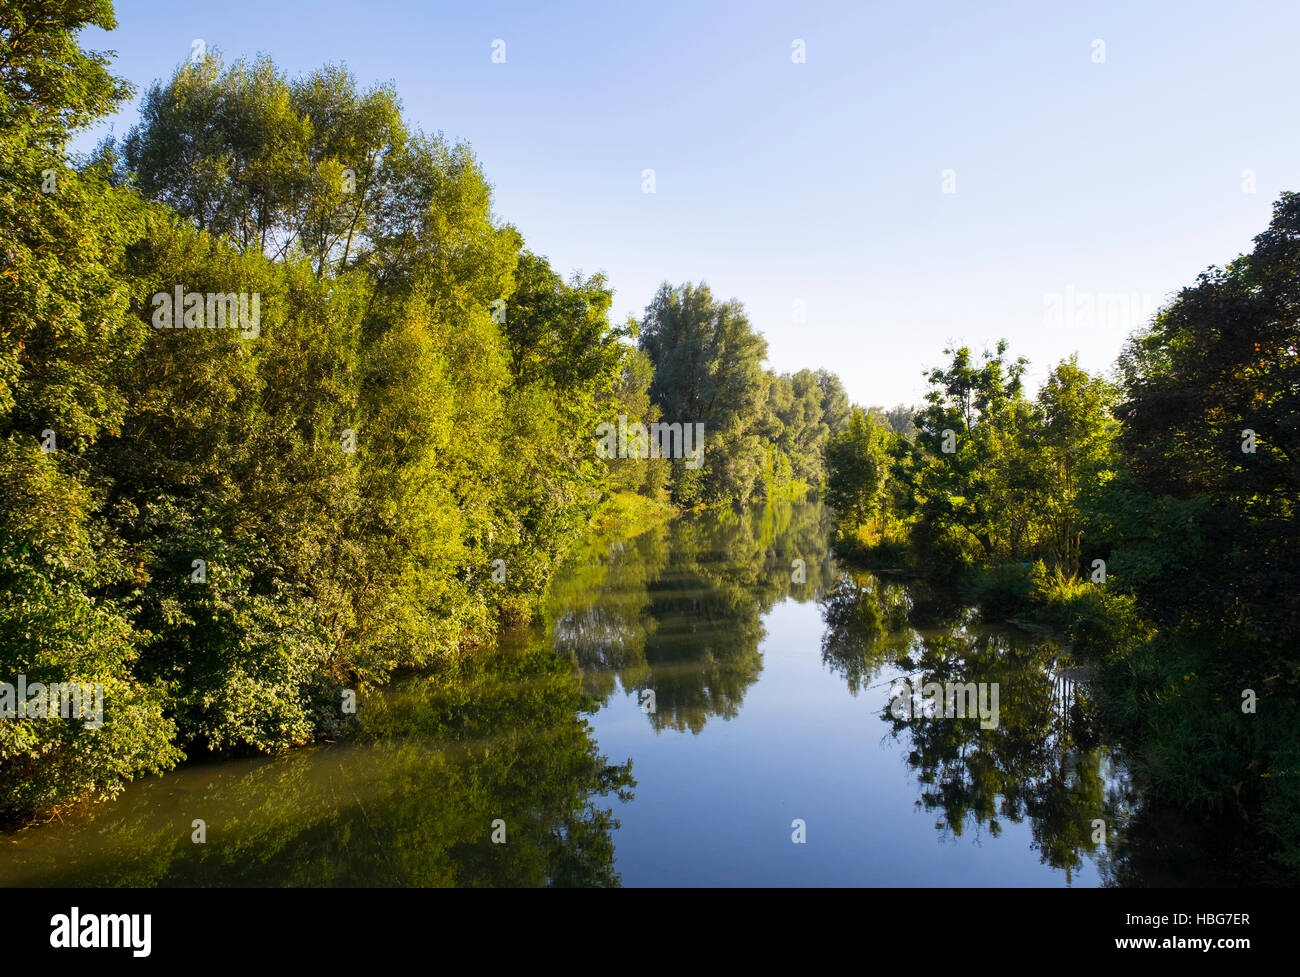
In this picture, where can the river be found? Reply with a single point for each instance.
(706, 703)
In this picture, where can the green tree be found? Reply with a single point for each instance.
(857, 461)
(1212, 397)
(708, 370)
(65, 331)
(968, 408)
(1075, 445)
(50, 87)
(289, 167)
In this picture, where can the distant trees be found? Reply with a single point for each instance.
(807, 406)
(708, 370)
(857, 460)
(971, 415)
(763, 431)
(980, 474)
(1073, 457)
(902, 419)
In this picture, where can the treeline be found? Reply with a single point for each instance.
(765, 431)
(1152, 516)
(285, 407)
(982, 475)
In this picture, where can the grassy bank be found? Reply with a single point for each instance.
(628, 510)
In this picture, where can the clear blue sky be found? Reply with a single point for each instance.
(822, 182)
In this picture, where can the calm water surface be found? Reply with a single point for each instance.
(692, 693)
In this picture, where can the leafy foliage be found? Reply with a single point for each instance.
(1174, 494)
(227, 527)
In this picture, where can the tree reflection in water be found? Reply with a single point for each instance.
(498, 737)
(679, 613)
(504, 735)
(1044, 762)
(1041, 762)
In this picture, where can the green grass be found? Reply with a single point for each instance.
(630, 511)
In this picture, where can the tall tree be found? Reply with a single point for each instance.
(1075, 454)
(66, 330)
(289, 167)
(857, 460)
(968, 406)
(708, 370)
(1211, 417)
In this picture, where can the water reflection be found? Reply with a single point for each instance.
(1040, 762)
(1044, 763)
(677, 611)
(499, 738)
(657, 642)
